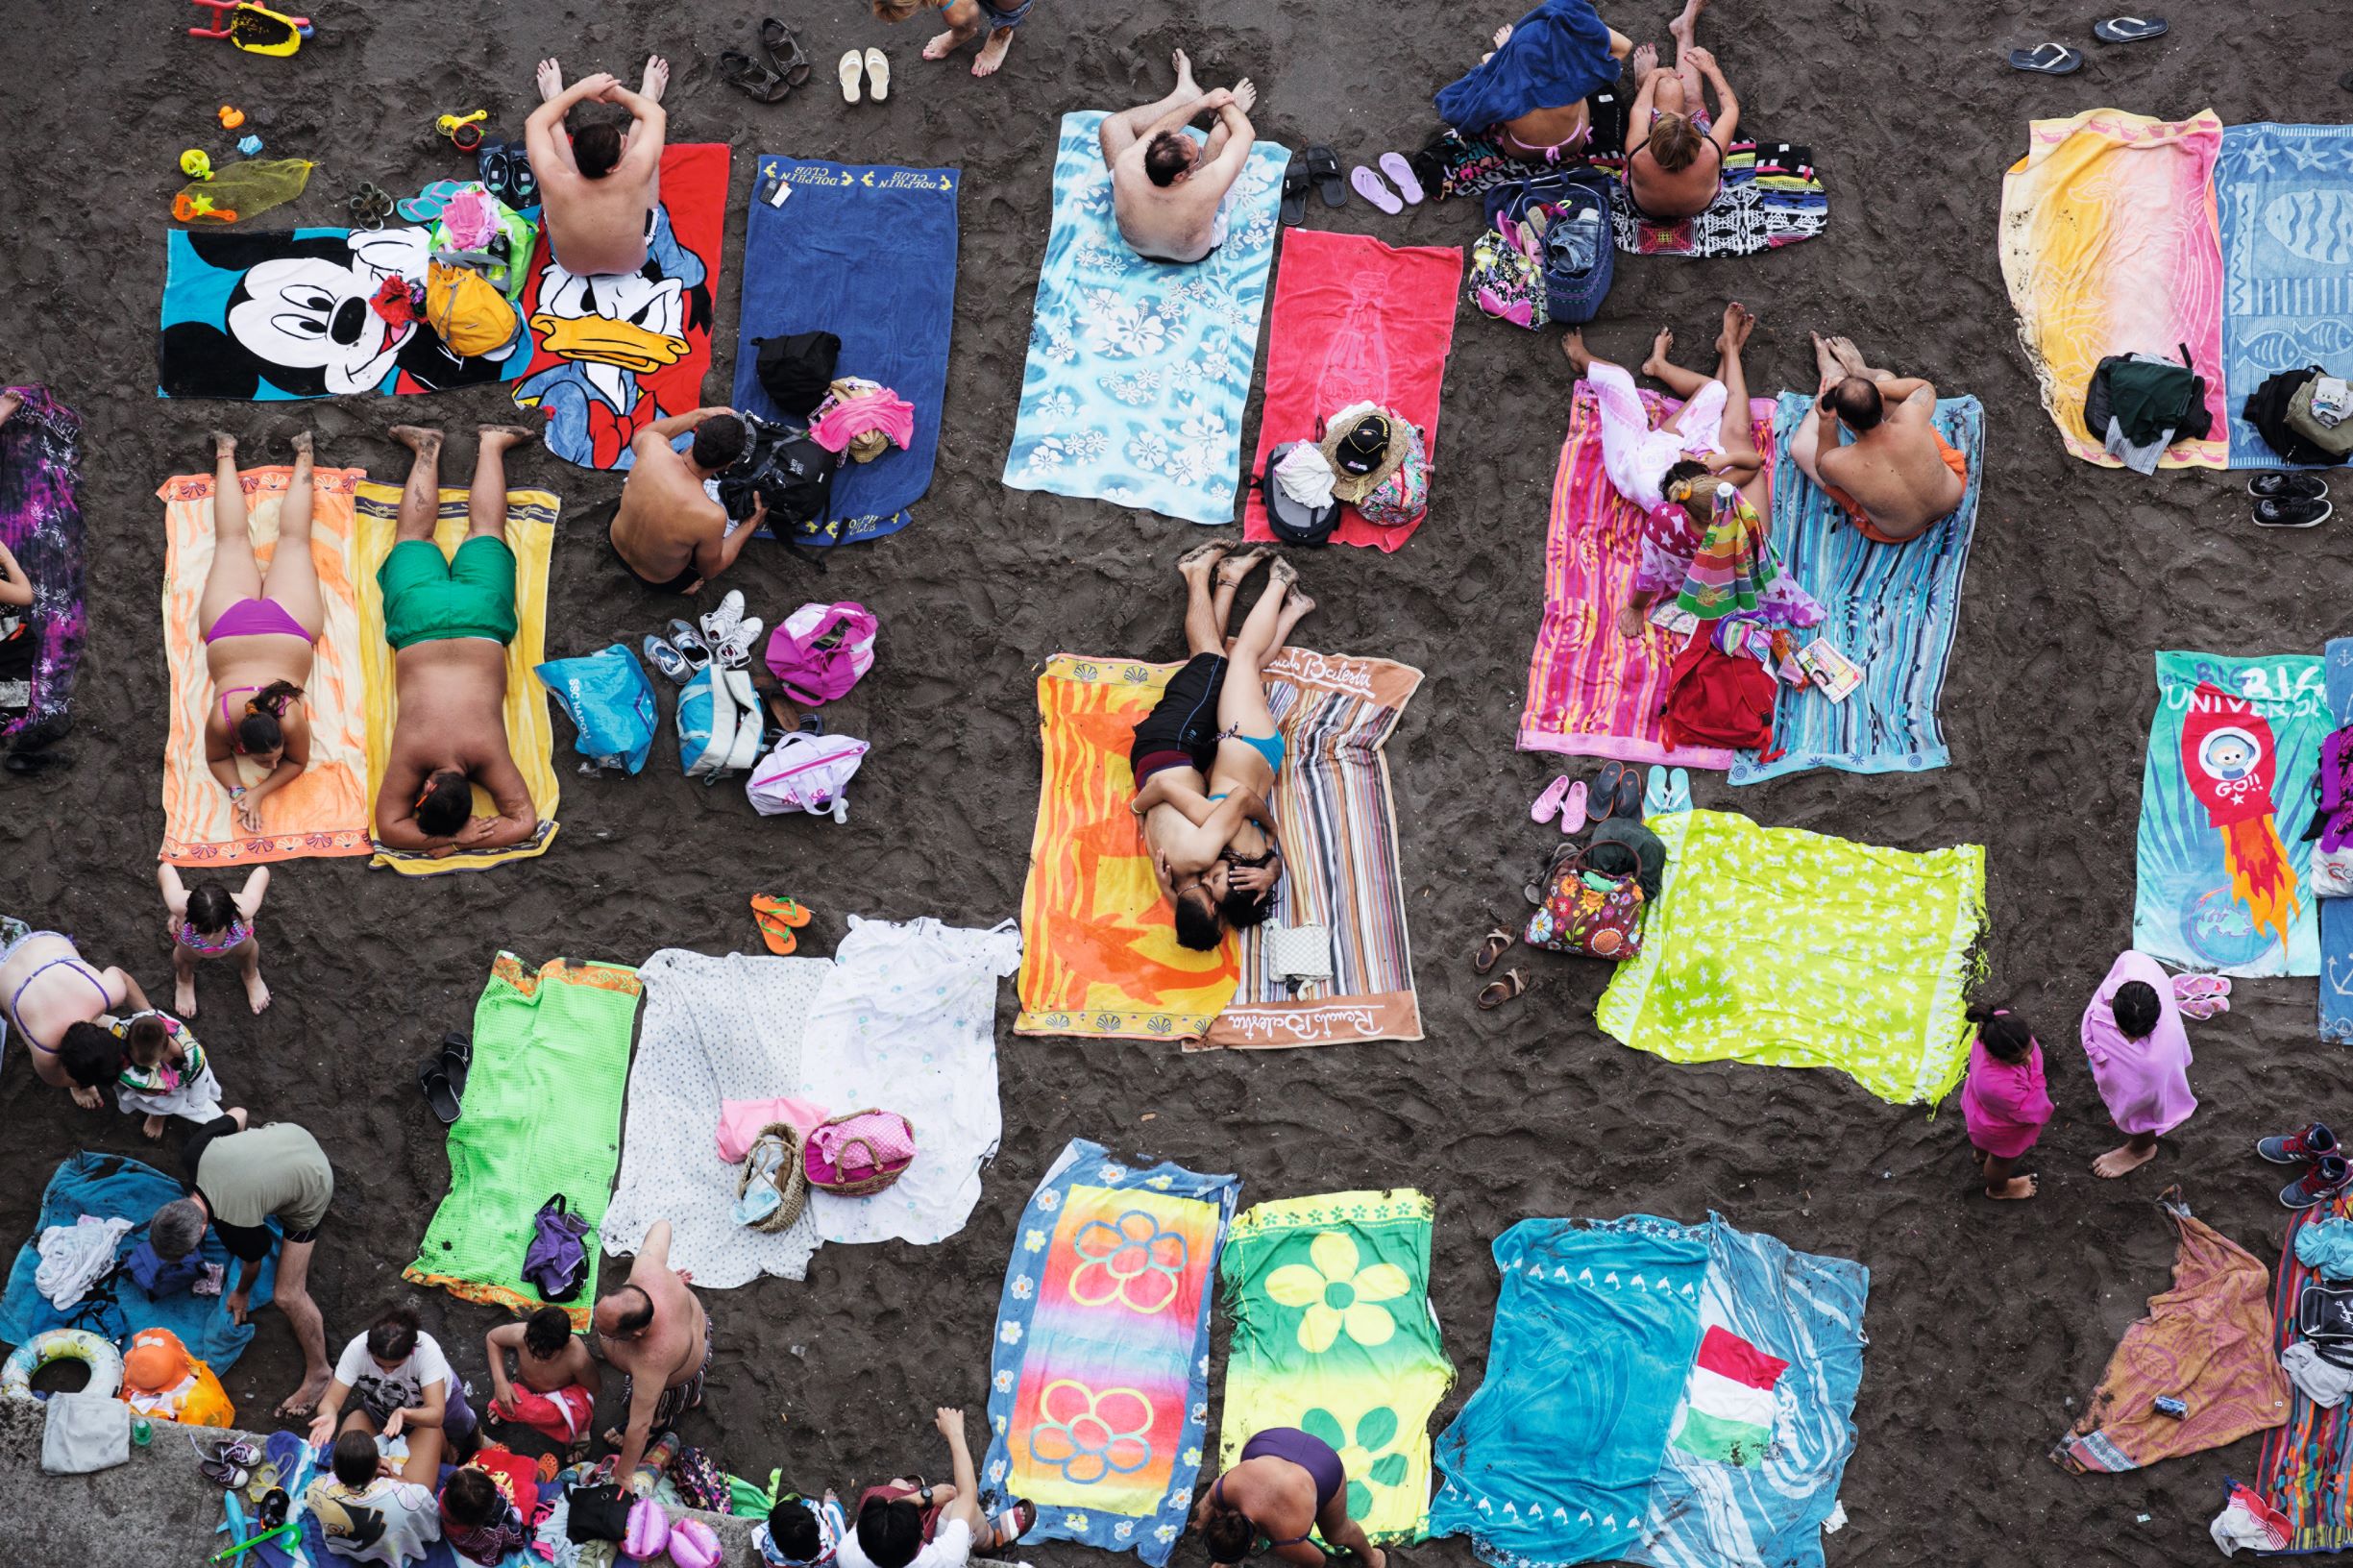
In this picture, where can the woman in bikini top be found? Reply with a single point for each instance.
(259, 634)
(1286, 1485)
(47, 988)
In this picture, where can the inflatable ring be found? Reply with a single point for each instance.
(105, 1361)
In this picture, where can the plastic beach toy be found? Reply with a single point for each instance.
(255, 28)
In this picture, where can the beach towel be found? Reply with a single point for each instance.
(715, 1029)
(1891, 608)
(2335, 919)
(2207, 1341)
(1591, 692)
(1099, 954)
(2285, 194)
(1334, 1335)
(2110, 245)
(1355, 321)
(612, 353)
(2225, 798)
(116, 1186)
(1098, 1385)
(1557, 54)
(866, 253)
(1340, 871)
(325, 811)
(905, 1021)
(264, 317)
(1796, 949)
(1770, 196)
(40, 521)
(542, 1116)
(1139, 371)
(530, 733)
(2306, 1471)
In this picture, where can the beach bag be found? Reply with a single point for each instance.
(1504, 283)
(1291, 521)
(556, 1264)
(159, 1276)
(1403, 497)
(468, 311)
(2267, 409)
(597, 1513)
(1716, 699)
(797, 372)
(858, 1155)
(787, 472)
(1576, 257)
(791, 1181)
(84, 1432)
(609, 700)
(2337, 440)
(699, 1482)
(806, 773)
(1588, 911)
(1621, 846)
(477, 230)
(820, 652)
(719, 728)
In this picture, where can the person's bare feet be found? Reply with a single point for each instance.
(940, 47)
(1645, 60)
(551, 80)
(1580, 357)
(1660, 347)
(303, 1402)
(1680, 28)
(1503, 35)
(224, 445)
(152, 1127)
(1280, 573)
(1739, 321)
(1197, 561)
(1246, 95)
(417, 438)
(657, 78)
(2017, 1188)
(1629, 621)
(499, 437)
(257, 994)
(992, 53)
(1234, 568)
(1295, 609)
(1849, 357)
(2122, 1161)
(1185, 82)
(1826, 363)
(183, 995)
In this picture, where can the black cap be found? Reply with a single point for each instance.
(1362, 450)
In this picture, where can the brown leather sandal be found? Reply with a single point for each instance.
(1496, 992)
(1491, 949)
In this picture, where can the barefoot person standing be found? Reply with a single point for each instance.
(656, 1332)
(965, 20)
(2140, 1057)
(602, 183)
(1169, 191)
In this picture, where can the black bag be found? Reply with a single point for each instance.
(2267, 409)
(782, 467)
(797, 371)
(599, 1514)
(1294, 521)
(2188, 417)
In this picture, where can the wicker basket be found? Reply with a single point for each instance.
(792, 1180)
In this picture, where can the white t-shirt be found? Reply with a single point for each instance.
(950, 1547)
(387, 1522)
(380, 1392)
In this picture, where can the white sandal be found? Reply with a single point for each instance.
(878, 72)
(849, 71)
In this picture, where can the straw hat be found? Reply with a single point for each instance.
(1363, 443)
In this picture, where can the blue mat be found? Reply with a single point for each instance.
(1139, 371)
(2284, 197)
(867, 253)
(2336, 914)
(113, 1186)
(1891, 608)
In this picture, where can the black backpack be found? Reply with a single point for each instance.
(1294, 521)
(2267, 409)
(797, 371)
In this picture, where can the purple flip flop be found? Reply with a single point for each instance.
(1369, 186)
(1401, 175)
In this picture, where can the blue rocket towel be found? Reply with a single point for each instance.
(867, 253)
(2284, 197)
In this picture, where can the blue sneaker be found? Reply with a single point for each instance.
(2309, 1144)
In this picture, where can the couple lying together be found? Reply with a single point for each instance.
(1204, 757)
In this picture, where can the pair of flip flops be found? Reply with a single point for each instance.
(1317, 168)
(780, 66)
(1618, 792)
(1669, 792)
(875, 64)
(1370, 185)
(778, 919)
(442, 1076)
(2059, 59)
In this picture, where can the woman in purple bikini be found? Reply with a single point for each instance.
(1287, 1486)
(257, 635)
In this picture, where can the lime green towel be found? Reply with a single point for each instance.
(1796, 949)
(542, 1116)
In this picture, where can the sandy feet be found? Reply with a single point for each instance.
(1660, 347)
(1739, 321)
(1580, 358)
(551, 80)
(656, 79)
(992, 53)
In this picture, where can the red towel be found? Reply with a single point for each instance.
(1354, 320)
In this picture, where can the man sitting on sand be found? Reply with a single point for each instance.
(668, 533)
(1898, 477)
(1204, 757)
(555, 1384)
(600, 185)
(656, 1331)
(449, 619)
(965, 19)
(1169, 191)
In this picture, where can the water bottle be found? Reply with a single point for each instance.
(141, 1431)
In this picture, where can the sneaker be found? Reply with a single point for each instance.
(2288, 485)
(2300, 1147)
(723, 619)
(2326, 1178)
(2293, 512)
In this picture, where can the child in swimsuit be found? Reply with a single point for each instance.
(153, 1063)
(210, 922)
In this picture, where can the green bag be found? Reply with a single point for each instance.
(745, 1501)
(477, 230)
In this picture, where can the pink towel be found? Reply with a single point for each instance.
(739, 1122)
(2146, 1082)
(2005, 1104)
(883, 410)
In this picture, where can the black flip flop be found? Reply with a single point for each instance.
(457, 1060)
(754, 80)
(1294, 192)
(2127, 28)
(784, 51)
(433, 1077)
(1324, 172)
(2047, 60)
(1630, 795)
(1603, 802)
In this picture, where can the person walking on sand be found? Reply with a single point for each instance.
(1169, 193)
(2004, 1103)
(1898, 477)
(656, 1331)
(600, 184)
(667, 531)
(2139, 1056)
(965, 20)
(1673, 156)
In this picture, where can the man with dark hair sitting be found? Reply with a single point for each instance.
(668, 533)
(600, 185)
(1169, 191)
(449, 619)
(1898, 477)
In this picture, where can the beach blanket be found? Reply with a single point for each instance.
(1591, 692)
(325, 811)
(2285, 194)
(2225, 798)
(2110, 245)
(1796, 949)
(715, 1029)
(612, 353)
(116, 1186)
(530, 733)
(1353, 321)
(1891, 608)
(866, 253)
(1139, 371)
(543, 1116)
(2336, 916)
(2306, 1471)
(906, 1019)
(1098, 1386)
(40, 521)
(1770, 196)
(2207, 1341)
(262, 317)
(1334, 1335)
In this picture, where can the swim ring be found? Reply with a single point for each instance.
(105, 1361)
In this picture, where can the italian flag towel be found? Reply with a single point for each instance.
(1726, 1413)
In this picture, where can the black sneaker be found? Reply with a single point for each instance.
(2295, 512)
(2287, 484)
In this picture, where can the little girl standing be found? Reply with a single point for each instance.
(210, 922)
(2003, 1101)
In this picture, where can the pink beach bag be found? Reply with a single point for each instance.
(858, 1155)
(821, 650)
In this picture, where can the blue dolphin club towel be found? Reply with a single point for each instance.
(867, 253)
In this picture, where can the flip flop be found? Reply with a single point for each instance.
(1656, 800)
(1324, 173)
(2127, 28)
(457, 1060)
(784, 911)
(878, 74)
(1603, 799)
(1550, 800)
(756, 81)
(1491, 949)
(1573, 817)
(2047, 60)
(1369, 186)
(1679, 790)
(851, 70)
(1023, 1516)
(667, 660)
(1496, 992)
(784, 51)
(433, 1078)
(1400, 171)
(1629, 803)
(1294, 192)
(691, 648)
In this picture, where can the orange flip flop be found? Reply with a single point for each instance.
(779, 919)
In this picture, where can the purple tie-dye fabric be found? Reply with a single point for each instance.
(40, 521)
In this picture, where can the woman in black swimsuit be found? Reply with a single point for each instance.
(1287, 1486)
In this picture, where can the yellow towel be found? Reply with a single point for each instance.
(325, 811)
(530, 733)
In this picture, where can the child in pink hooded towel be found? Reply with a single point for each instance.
(2141, 1056)
(2004, 1103)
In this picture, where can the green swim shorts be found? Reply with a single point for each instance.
(429, 597)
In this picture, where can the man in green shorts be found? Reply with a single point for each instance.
(449, 619)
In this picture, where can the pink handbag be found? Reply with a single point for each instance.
(820, 651)
(860, 1153)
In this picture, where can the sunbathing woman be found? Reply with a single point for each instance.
(1528, 95)
(1287, 1486)
(258, 636)
(1674, 156)
(47, 987)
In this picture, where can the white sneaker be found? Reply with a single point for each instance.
(734, 650)
(723, 619)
